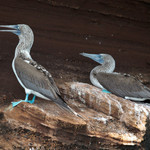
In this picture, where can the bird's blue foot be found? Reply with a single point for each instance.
(16, 103)
(105, 91)
(26, 100)
(32, 101)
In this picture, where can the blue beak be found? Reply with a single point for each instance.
(14, 27)
(96, 57)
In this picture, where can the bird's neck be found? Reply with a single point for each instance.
(23, 48)
(108, 67)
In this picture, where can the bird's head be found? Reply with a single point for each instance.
(19, 29)
(23, 31)
(96, 57)
(106, 60)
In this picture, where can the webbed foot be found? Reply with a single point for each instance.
(26, 100)
(16, 103)
(31, 101)
(105, 91)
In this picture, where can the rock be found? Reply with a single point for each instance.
(112, 116)
(108, 121)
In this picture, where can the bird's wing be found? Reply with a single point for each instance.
(36, 78)
(123, 85)
(49, 76)
(53, 84)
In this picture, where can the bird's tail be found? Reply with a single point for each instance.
(60, 102)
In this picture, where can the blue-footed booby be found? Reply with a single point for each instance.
(33, 77)
(123, 85)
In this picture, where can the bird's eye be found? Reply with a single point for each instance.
(17, 27)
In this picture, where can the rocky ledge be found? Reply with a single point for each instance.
(107, 122)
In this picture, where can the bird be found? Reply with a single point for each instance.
(119, 84)
(32, 76)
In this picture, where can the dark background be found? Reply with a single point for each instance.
(65, 28)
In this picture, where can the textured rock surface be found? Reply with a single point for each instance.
(109, 121)
(116, 117)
